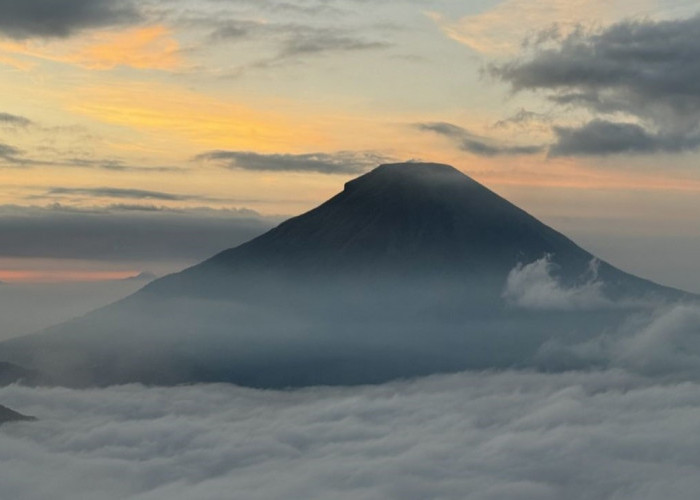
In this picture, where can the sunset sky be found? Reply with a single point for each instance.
(147, 135)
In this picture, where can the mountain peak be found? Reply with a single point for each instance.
(417, 169)
(401, 174)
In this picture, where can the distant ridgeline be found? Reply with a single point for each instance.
(401, 274)
(7, 415)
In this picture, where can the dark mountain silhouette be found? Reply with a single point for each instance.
(7, 415)
(398, 275)
(414, 220)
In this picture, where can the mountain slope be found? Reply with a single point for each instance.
(416, 220)
(398, 275)
(8, 415)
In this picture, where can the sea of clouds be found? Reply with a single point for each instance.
(626, 427)
(508, 435)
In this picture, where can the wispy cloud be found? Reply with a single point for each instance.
(502, 29)
(342, 162)
(11, 120)
(472, 143)
(14, 157)
(326, 41)
(11, 155)
(111, 192)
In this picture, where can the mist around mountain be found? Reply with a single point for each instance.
(7, 415)
(413, 269)
(575, 381)
(11, 373)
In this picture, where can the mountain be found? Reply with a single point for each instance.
(7, 415)
(400, 274)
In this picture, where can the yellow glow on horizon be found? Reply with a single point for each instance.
(61, 275)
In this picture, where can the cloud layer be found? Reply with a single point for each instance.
(513, 435)
(125, 231)
(11, 120)
(342, 162)
(637, 78)
(133, 194)
(51, 18)
(471, 143)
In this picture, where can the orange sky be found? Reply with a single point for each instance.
(119, 108)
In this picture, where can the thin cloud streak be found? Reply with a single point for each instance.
(471, 143)
(137, 194)
(341, 162)
(11, 120)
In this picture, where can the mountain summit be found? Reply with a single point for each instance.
(400, 274)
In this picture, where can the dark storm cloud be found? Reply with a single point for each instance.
(471, 143)
(600, 137)
(125, 232)
(342, 162)
(46, 154)
(633, 60)
(10, 120)
(61, 18)
(138, 194)
(643, 69)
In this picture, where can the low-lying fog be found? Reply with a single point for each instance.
(508, 435)
(624, 426)
(29, 307)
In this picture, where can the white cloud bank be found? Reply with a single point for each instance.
(512, 435)
(629, 431)
(657, 339)
(535, 286)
